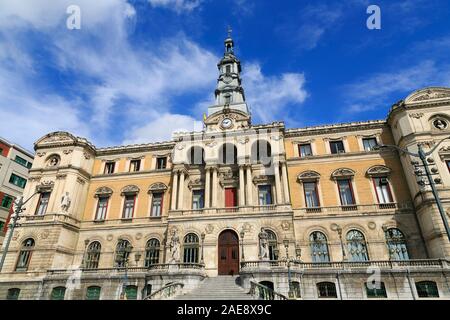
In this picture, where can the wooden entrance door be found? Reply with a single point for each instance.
(228, 253)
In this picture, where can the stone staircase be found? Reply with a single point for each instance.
(217, 288)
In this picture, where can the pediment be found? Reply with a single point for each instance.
(56, 138)
(428, 94)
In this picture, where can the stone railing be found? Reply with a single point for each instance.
(262, 292)
(240, 209)
(383, 264)
(366, 208)
(167, 292)
(55, 217)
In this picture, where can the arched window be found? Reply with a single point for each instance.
(261, 152)
(228, 154)
(326, 290)
(25, 255)
(58, 293)
(272, 244)
(131, 292)
(123, 250)
(356, 246)
(266, 294)
(396, 243)
(191, 247)
(196, 156)
(427, 289)
(319, 247)
(295, 290)
(93, 255)
(93, 293)
(152, 252)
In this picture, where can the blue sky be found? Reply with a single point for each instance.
(138, 70)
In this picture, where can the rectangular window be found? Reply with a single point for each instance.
(109, 167)
(161, 163)
(304, 150)
(346, 192)
(7, 202)
(369, 143)
(337, 147)
(13, 294)
(102, 208)
(265, 195)
(93, 293)
(376, 290)
(18, 181)
(43, 203)
(198, 199)
(383, 190)
(311, 194)
(135, 165)
(2, 225)
(157, 203)
(21, 161)
(427, 289)
(128, 206)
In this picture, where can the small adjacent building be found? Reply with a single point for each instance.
(15, 162)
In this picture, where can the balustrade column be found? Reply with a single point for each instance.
(285, 182)
(241, 186)
(181, 193)
(278, 183)
(249, 186)
(207, 187)
(214, 190)
(174, 190)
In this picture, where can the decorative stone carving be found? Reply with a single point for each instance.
(431, 94)
(103, 192)
(65, 202)
(195, 183)
(174, 247)
(86, 155)
(81, 181)
(263, 245)
(211, 144)
(342, 173)
(41, 154)
(308, 175)
(68, 151)
(53, 161)
(138, 236)
(247, 227)
(276, 138)
(61, 176)
(109, 237)
(228, 178)
(130, 189)
(209, 228)
(157, 187)
(57, 137)
(416, 115)
(46, 186)
(440, 124)
(243, 140)
(181, 146)
(372, 225)
(262, 179)
(44, 234)
(378, 170)
(285, 225)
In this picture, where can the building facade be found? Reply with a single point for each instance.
(308, 213)
(15, 162)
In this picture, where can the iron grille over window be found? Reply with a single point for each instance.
(319, 247)
(376, 290)
(191, 247)
(93, 255)
(356, 245)
(326, 290)
(396, 243)
(152, 252)
(123, 250)
(427, 289)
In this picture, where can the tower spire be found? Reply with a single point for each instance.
(229, 43)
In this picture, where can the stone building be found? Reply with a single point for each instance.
(15, 162)
(305, 213)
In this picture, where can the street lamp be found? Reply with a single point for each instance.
(338, 229)
(422, 155)
(288, 261)
(124, 254)
(242, 234)
(203, 244)
(15, 216)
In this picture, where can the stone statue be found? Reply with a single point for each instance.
(441, 125)
(174, 247)
(53, 162)
(65, 202)
(263, 245)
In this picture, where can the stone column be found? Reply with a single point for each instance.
(207, 187)
(241, 186)
(181, 193)
(174, 190)
(285, 182)
(214, 188)
(249, 186)
(276, 167)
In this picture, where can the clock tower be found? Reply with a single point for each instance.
(230, 109)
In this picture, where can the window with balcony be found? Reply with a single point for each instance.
(42, 203)
(198, 199)
(135, 165)
(102, 208)
(157, 204)
(383, 190)
(128, 206)
(337, 147)
(311, 194)
(152, 249)
(25, 255)
(319, 247)
(346, 192)
(93, 255)
(369, 144)
(326, 290)
(265, 195)
(123, 250)
(17, 181)
(109, 167)
(190, 248)
(396, 242)
(427, 289)
(304, 150)
(375, 290)
(161, 163)
(356, 246)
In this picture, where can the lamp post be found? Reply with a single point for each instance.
(288, 261)
(338, 229)
(15, 216)
(422, 155)
(203, 244)
(125, 258)
(242, 234)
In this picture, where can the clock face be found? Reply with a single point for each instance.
(227, 79)
(226, 123)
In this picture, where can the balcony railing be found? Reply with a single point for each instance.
(379, 207)
(383, 264)
(240, 209)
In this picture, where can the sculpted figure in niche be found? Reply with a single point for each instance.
(263, 245)
(441, 125)
(53, 162)
(65, 202)
(174, 247)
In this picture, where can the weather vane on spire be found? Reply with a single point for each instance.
(229, 30)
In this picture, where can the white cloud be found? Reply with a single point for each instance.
(177, 5)
(268, 96)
